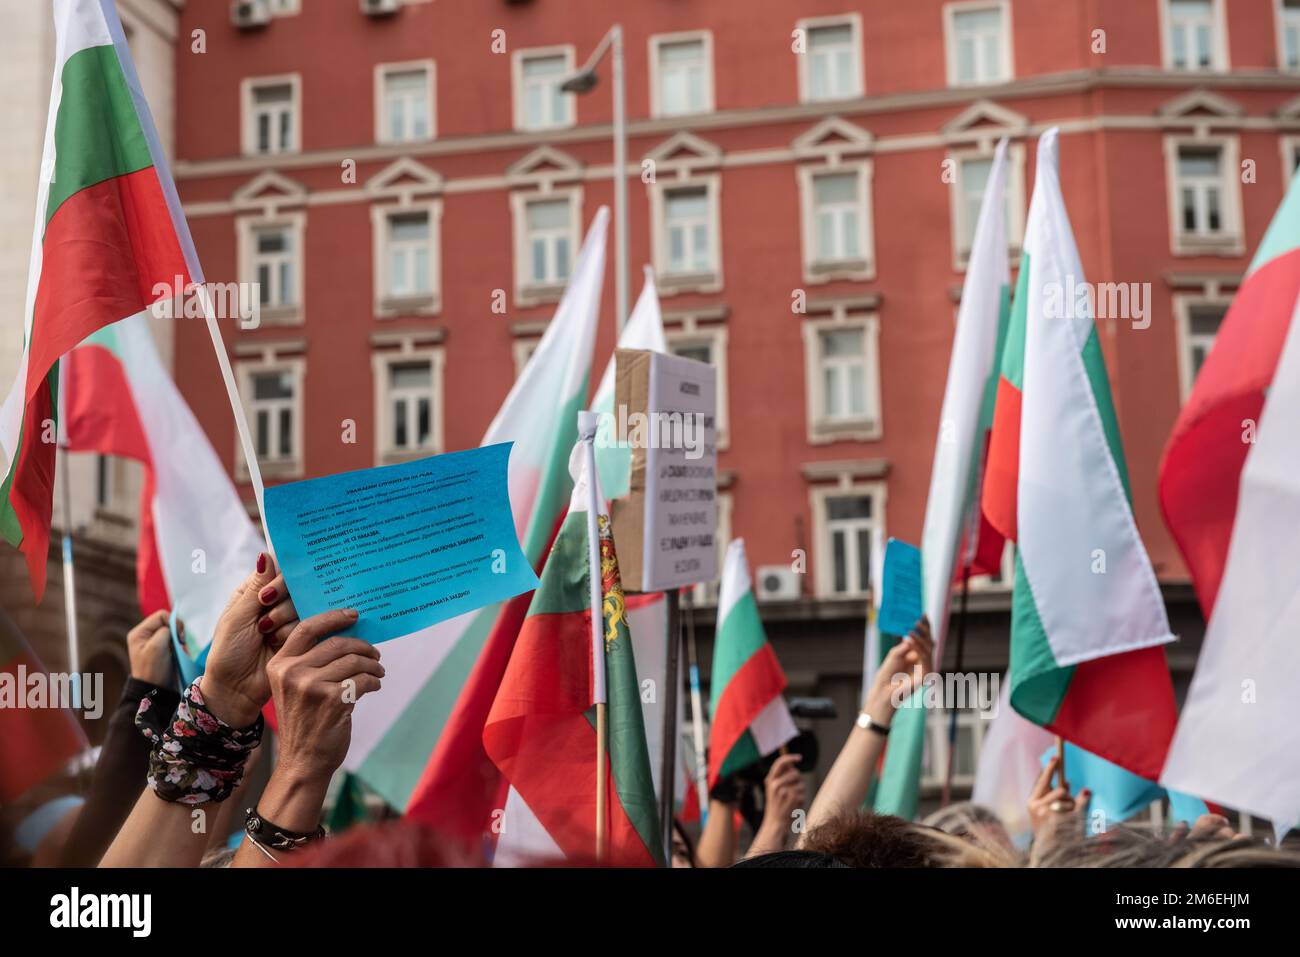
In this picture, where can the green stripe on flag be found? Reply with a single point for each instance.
(1013, 353)
(567, 589)
(97, 133)
(739, 638)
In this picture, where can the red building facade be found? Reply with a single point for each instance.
(410, 189)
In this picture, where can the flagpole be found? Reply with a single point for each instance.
(587, 422)
(69, 582)
(697, 717)
(961, 654)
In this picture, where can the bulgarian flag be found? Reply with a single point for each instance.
(748, 715)
(1087, 620)
(419, 745)
(105, 240)
(1230, 487)
(34, 741)
(956, 539)
(196, 541)
(541, 731)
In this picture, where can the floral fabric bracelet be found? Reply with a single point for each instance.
(197, 757)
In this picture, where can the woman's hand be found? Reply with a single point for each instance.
(315, 687)
(1055, 815)
(900, 674)
(149, 646)
(257, 620)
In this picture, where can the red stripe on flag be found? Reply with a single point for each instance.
(1121, 708)
(100, 416)
(1200, 472)
(750, 690)
(34, 742)
(1002, 476)
(104, 251)
(31, 495)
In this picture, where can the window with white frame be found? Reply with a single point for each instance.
(971, 180)
(849, 521)
(548, 241)
(965, 754)
(540, 104)
(271, 116)
(1192, 35)
(275, 265)
(979, 43)
(1288, 32)
(837, 217)
(405, 103)
(273, 408)
(832, 66)
(523, 350)
(707, 344)
(683, 75)
(1199, 321)
(409, 251)
(688, 228)
(843, 378)
(1200, 191)
(842, 361)
(410, 405)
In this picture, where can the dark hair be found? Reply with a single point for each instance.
(814, 859)
(863, 839)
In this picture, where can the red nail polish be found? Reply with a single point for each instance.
(267, 595)
(261, 562)
(266, 624)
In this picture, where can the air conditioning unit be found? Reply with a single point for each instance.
(776, 583)
(380, 8)
(247, 14)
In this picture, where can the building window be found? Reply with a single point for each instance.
(682, 80)
(687, 230)
(547, 238)
(404, 108)
(272, 391)
(408, 406)
(540, 104)
(965, 754)
(1198, 324)
(550, 242)
(271, 111)
(104, 483)
(1194, 37)
(708, 344)
(843, 372)
(275, 266)
(837, 229)
(407, 258)
(1203, 195)
(271, 255)
(1288, 32)
(978, 39)
(849, 526)
(971, 171)
(522, 351)
(831, 65)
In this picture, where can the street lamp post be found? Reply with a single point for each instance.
(583, 82)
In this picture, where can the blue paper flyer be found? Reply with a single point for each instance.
(406, 545)
(900, 605)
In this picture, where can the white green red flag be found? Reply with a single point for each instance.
(541, 731)
(420, 744)
(954, 534)
(748, 716)
(108, 234)
(1230, 488)
(1088, 621)
(196, 541)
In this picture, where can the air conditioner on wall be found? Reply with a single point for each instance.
(247, 14)
(776, 583)
(380, 8)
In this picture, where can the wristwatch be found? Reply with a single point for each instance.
(867, 723)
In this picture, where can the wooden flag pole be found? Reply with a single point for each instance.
(961, 656)
(1060, 762)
